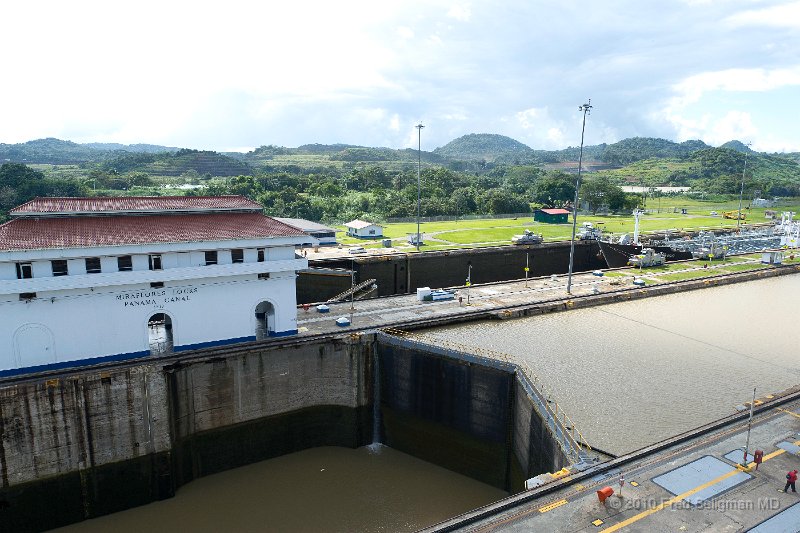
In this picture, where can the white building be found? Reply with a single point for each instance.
(117, 278)
(364, 230)
(322, 235)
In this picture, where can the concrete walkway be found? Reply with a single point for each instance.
(695, 486)
(484, 299)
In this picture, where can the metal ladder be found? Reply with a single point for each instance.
(354, 290)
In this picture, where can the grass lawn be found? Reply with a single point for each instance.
(491, 231)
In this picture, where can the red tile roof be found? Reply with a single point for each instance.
(90, 231)
(134, 204)
(555, 211)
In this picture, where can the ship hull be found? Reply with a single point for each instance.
(617, 255)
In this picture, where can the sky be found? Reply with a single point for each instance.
(236, 75)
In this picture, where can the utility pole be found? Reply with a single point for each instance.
(585, 108)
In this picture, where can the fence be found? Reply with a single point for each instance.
(448, 218)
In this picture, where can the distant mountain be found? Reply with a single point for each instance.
(738, 146)
(49, 151)
(177, 163)
(142, 148)
(487, 147)
(590, 153)
(475, 152)
(325, 148)
(634, 149)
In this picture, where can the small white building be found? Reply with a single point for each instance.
(364, 230)
(322, 235)
(115, 278)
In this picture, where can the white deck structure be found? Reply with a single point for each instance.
(117, 278)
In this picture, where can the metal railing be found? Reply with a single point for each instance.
(558, 423)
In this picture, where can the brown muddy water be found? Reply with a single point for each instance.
(634, 373)
(322, 489)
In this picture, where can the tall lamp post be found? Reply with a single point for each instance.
(741, 192)
(419, 168)
(585, 108)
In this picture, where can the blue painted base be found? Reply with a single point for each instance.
(73, 364)
(286, 333)
(211, 344)
(133, 355)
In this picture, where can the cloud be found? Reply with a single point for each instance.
(784, 15)
(756, 80)
(364, 72)
(461, 12)
(717, 106)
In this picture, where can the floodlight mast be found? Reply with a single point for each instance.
(741, 191)
(419, 168)
(586, 109)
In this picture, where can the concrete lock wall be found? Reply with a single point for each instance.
(472, 417)
(236, 411)
(82, 445)
(404, 273)
(93, 442)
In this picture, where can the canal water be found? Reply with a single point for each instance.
(322, 489)
(634, 373)
(629, 374)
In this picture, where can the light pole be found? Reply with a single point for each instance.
(469, 279)
(749, 425)
(741, 192)
(419, 168)
(352, 286)
(585, 108)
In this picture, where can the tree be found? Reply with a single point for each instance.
(599, 192)
(555, 189)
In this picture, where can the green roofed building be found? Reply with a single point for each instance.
(551, 216)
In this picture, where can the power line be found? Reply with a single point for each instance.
(700, 341)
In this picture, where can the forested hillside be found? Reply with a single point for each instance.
(487, 147)
(475, 174)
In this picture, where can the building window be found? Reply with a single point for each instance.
(124, 263)
(59, 267)
(237, 255)
(260, 255)
(27, 296)
(155, 262)
(211, 258)
(24, 271)
(93, 265)
(263, 275)
(372, 232)
(157, 285)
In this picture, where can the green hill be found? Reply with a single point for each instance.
(487, 147)
(635, 149)
(49, 151)
(142, 148)
(177, 163)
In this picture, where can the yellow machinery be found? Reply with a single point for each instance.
(734, 215)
